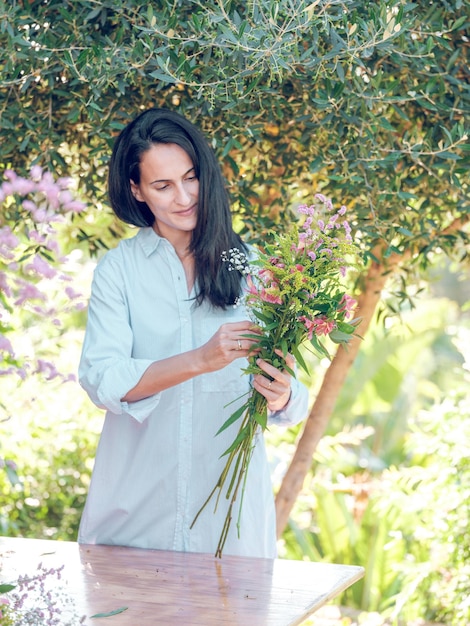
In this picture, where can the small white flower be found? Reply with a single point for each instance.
(236, 260)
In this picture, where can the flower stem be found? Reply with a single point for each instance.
(239, 457)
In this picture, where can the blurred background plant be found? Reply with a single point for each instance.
(389, 485)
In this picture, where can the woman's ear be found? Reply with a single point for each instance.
(135, 190)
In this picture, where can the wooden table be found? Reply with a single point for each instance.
(163, 588)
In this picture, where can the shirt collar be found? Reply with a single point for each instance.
(149, 240)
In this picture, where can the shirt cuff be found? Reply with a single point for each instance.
(107, 385)
(141, 409)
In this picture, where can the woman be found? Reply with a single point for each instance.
(163, 352)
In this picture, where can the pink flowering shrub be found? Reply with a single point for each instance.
(32, 273)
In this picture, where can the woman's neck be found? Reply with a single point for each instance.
(181, 246)
(180, 241)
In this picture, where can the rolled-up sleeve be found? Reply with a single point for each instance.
(107, 369)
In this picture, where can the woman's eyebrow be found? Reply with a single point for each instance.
(168, 180)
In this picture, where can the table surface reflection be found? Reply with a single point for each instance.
(156, 587)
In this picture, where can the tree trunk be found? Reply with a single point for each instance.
(326, 399)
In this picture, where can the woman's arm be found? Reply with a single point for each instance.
(226, 345)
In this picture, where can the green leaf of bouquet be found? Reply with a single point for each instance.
(299, 358)
(251, 336)
(319, 347)
(5, 588)
(233, 418)
(271, 326)
(244, 432)
(261, 419)
(290, 370)
(345, 327)
(110, 613)
(338, 336)
(261, 316)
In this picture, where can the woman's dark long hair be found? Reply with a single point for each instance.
(213, 233)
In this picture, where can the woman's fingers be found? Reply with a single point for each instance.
(231, 341)
(275, 384)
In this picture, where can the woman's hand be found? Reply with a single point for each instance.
(227, 344)
(275, 386)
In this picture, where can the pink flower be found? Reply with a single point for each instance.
(4, 286)
(320, 325)
(347, 304)
(276, 262)
(252, 290)
(33, 235)
(17, 184)
(36, 172)
(47, 368)
(40, 215)
(304, 208)
(6, 254)
(326, 201)
(266, 276)
(8, 241)
(29, 205)
(271, 294)
(74, 206)
(41, 266)
(323, 326)
(28, 292)
(23, 186)
(8, 238)
(10, 175)
(5, 345)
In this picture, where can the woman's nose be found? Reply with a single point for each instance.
(183, 197)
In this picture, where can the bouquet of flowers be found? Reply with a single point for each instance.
(294, 294)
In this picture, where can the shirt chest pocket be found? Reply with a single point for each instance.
(230, 380)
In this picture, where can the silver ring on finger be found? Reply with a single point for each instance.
(239, 344)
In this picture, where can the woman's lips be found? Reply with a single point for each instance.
(189, 211)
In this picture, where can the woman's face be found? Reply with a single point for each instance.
(169, 187)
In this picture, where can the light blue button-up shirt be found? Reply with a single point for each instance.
(159, 458)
